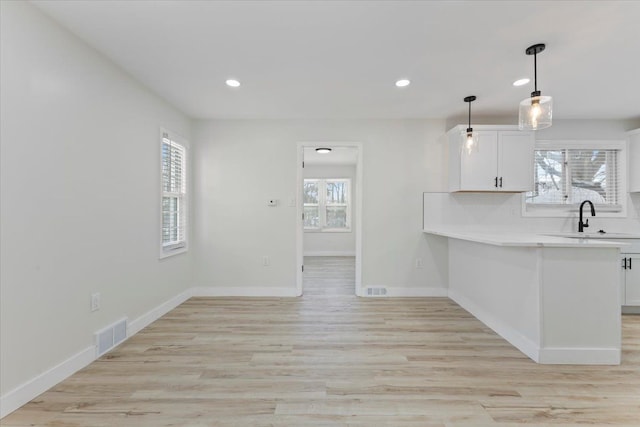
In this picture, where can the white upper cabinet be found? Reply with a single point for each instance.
(634, 160)
(515, 160)
(502, 162)
(478, 169)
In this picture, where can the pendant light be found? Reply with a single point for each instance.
(470, 137)
(535, 112)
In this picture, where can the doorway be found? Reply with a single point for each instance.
(329, 208)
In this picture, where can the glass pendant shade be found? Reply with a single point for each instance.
(470, 142)
(536, 113)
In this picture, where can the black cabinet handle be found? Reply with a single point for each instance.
(629, 263)
(500, 182)
(625, 264)
(496, 184)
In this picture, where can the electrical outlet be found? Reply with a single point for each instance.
(265, 261)
(95, 301)
(418, 262)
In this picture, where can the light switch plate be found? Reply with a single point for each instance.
(95, 301)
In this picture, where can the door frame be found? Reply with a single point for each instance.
(357, 209)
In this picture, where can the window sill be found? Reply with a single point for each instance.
(570, 212)
(328, 230)
(166, 253)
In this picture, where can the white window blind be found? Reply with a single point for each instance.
(174, 195)
(327, 204)
(569, 176)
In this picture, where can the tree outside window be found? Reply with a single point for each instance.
(327, 204)
(569, 176)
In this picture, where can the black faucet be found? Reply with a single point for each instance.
(583, 225)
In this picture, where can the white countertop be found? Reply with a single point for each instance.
(507, 238)
(596, 235)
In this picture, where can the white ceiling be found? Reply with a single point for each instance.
(337, 156)
(340, 59)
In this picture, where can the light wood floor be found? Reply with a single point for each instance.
(331, 359)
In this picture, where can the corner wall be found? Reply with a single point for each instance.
(80, 199)
(243, 163)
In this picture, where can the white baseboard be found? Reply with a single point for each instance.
(330, 253)
(155, 313)
(405, 291)
(515, 338)
(416, 292)
(630, 309)
(244, 291)
(28, 391)
(580, 356)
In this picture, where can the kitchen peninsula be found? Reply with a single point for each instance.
(556, 299)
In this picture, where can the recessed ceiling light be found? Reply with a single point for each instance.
(403, 83)
(233, 83)
(521, 82)
(323, 150)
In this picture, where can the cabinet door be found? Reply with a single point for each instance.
(478, 169)
(515, 160)
(632, 279)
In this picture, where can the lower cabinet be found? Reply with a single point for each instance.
(631, 281)
(630, 284)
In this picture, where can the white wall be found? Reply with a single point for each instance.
(240, 164)
(561, 129)
(332, 243)
(80, 196)
(586, 129)
(503, 211)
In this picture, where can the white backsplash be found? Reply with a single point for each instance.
(503, 212)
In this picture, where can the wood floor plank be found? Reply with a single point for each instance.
(332, 359)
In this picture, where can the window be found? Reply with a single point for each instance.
(564, 176)
(174, 195)
(327, 204)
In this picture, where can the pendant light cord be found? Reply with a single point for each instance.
(535, 71)
(469, 99)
